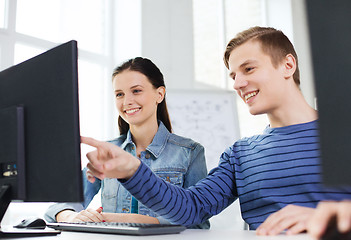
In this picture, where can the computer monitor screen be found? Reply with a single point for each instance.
(330, 39)
(39, 116)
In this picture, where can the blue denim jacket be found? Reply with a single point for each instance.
(175, 159)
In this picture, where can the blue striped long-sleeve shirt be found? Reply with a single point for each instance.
(267, 172)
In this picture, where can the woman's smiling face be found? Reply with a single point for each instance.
(136, 98)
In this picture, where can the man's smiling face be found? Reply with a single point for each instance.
(256, 80)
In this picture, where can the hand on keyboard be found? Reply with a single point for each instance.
(87, 215)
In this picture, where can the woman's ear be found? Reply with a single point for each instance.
(161, 94)
(289, 66)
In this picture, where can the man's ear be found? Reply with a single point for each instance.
(289, 66)
(161, 94)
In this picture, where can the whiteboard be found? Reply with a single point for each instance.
(208, 117)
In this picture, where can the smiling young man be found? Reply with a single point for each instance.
(276, 175)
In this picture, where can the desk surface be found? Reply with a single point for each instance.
(189, 234)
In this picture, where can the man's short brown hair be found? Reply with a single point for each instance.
(273, 43)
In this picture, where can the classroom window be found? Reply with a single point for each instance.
(24, 52)
(92, 85)
(64, 20)
(26, 30)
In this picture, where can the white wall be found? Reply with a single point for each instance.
(167, 39)
(302, 45)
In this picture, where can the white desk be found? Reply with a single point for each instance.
(189, 234)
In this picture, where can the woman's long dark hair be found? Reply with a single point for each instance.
(151, 71)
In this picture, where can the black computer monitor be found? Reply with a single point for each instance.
(330, 38)
(39, 129)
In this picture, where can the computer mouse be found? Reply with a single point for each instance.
(33, 222)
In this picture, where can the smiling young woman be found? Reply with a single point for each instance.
(146, 133)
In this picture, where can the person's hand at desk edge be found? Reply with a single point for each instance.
(292, 219)
(331, 220)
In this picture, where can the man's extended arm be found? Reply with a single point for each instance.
(182, 206)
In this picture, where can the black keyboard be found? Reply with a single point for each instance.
(119, 228)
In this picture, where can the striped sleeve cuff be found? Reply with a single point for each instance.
(174, 204)
(135, 182)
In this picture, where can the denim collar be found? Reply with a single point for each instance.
(158, 143)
